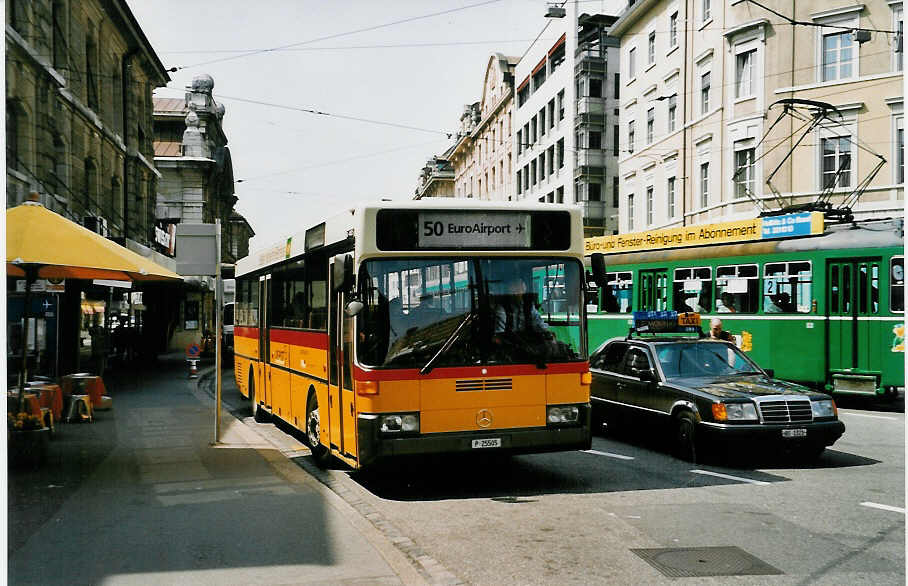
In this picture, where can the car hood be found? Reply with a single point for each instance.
(732, 387)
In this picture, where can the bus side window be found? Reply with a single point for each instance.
(897, 284)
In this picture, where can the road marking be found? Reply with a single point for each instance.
(882, 507)
(730, 477)
(607, 454)
(852, 414)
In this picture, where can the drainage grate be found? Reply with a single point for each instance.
(690, 562)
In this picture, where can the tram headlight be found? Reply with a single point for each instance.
(734, 412)
(560, 414)
(393, 423)
(823, 409)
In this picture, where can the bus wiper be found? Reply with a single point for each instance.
(427, 367)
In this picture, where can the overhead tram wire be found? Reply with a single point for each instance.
(337, 35)
(792, 21)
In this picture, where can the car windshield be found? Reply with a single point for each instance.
(699, 359)
(507, 310)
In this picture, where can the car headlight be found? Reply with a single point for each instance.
(399, 423)
(822, 409)
(734, 412)
(562, 414)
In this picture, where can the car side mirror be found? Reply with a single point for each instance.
(353, 308)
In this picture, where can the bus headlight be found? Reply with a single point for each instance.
(823, 409)
(557, 414)
(734, 412)
(399, 423)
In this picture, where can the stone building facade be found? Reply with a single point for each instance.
(482, 155)
(436, 178)
(79, 79)
(699, 109)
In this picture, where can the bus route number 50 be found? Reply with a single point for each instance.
(433, 229)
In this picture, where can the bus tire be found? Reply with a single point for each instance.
(320, 453)
(258, 414)
(685, 439)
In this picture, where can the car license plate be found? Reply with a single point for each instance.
(799, 432)
(492, 442)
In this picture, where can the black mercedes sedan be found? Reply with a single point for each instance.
(705, 394)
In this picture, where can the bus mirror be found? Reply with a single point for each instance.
(353, 308)
(343, 273)
(597, 261)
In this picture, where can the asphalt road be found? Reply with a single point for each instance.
(592, 517)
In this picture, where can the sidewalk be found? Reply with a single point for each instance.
(143, 497)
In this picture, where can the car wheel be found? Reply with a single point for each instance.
(686, 436)
(320, 453)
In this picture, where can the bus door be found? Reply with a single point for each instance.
(341, 397)
(263, 375)
(855, 339)
(653, 290)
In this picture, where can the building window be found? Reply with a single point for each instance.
(526, 177)
(672, 111)
(630, 211)
(534, 130)
(561, 105)
(523, 94)
(838, 56)
(617, 85)
(519, 184)
(541, 166)
(632, 63)
(704, 93)
(616, 133)
(538, 78)
(559, 195)
(630, 136)
(673, 30)
(899, 25)
(519, 142)
(542, 122)
(707, 9)
(595, 87)
(651, 48)
(12, 136)
(744, 172)
(670, 189)
(552, 113)
(615, 192)
(744, 73)
(594, 192)
(836, 162)
(560, 153)
(649, 205)
(900, 149)
(533, 171)
(704, 185)
(595, 139)
(650, 125)
(557, 58)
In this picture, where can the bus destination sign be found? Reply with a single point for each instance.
(474, 230)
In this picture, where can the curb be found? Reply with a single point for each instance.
(426, 567)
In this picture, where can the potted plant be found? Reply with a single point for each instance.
(27, 438)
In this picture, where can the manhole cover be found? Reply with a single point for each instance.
(688, 562)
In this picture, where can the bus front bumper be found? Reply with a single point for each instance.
(375, 446)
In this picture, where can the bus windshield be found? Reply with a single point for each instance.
(461, 312)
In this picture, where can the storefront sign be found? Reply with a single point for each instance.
(42, 285)
(786, 226)
(165, 237)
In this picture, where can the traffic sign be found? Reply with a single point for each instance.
(193, 350)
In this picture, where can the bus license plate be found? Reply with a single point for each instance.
(492, 442)
(800, 432)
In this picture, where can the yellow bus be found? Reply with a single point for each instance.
(420, 327)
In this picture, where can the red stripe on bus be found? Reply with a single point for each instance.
(318, 340)
(470, 371)
(245, 332)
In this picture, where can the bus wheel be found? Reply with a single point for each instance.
(686, 436)
(320, 453)
(257, 412)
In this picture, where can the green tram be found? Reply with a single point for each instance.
(825, 310)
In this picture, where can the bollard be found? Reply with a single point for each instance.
(193, 368)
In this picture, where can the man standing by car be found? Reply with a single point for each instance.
(717, 333)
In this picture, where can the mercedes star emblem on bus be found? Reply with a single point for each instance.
(483, 418)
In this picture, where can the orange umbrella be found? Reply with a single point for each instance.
(43, 244)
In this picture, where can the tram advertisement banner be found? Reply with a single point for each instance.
(769, 228)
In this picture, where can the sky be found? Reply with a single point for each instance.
(404, 68)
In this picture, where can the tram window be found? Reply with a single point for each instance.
(618, 292)
(874, 288)
(737, 289)
(897, 284)
(693, 290)
(316, 316)
(787, 287)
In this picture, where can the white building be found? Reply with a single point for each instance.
(565, 114)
